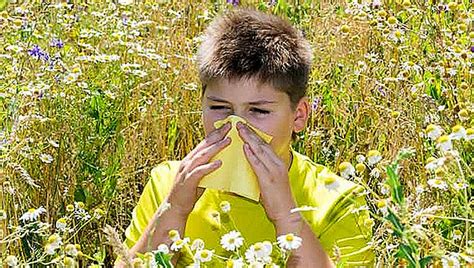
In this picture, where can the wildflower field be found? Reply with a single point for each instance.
(93, 96)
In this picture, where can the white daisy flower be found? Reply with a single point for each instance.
(444, 143)
(163, 248)
(457, 235)
(239, 263)
(469, 134)
(204, 255)
(383, 206)
(438, 183)
(289, 241)
(178, 244)
(433, 131)
(373, 157)
(375, 173)
(197, 244)
(71, 250)
(459, 185)
(225, 206)
(232, 241)
(174, 235)
(49, 249)
(458, 132)
(12, 261)
(98, 213)
(32, 214)
(259, 252)
(61, 224)
(419, 189)
(451, 261)
(360, 158)
(55, 240)
(433, 163)
(46, 158)
(384, 188)
(347, 170)
(70, 78)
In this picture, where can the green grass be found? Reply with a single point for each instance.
(105, 137)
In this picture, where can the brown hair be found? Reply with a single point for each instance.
(246, 43)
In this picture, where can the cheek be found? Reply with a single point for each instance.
(208, 118)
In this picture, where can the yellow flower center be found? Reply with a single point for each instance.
(457, 128)
(173, 234)
(381, 203)
(443, 139)
(372, 153)
(289, 237)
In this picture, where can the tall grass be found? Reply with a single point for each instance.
(85, 119)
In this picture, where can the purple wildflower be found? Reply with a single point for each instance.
(315, 104)
(472, 49)
(124, 20)
(56, 43)
(381, 91)
(233, 2)
(37, 52)
(273, 2)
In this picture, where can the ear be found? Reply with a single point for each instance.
(301, 114)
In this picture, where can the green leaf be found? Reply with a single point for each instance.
(406, 252)
(398, 227)
(394, 183)
(425, 261)
(163, 260)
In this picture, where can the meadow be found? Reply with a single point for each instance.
(93, 96)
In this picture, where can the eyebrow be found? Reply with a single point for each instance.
(258, 102)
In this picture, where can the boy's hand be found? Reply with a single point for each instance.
(185, 192)
(272, 175)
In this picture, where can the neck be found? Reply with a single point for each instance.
(287, 158)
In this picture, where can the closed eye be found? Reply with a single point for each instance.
(218, 107)
(260, 111)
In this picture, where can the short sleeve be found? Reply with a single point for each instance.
(345, 231)
(155, 191)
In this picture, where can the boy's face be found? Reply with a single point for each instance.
(259, 104)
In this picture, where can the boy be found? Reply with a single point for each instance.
(255, 66)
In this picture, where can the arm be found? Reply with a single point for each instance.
(272, 174)
(311, 252)
(183, 195)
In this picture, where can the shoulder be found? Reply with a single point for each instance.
(319, 176)
(161, 179)
(165, 169)
(317, 185)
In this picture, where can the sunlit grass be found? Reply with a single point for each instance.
(94, 96)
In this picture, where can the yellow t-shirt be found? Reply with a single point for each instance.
(338, 221)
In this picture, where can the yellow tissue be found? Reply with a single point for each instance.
(235, 174)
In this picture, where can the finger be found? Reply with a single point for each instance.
(257, 165)
(199, 172)
(261, 149)
(205, 155)
(213, 137)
